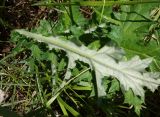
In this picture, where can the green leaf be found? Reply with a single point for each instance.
(114, 86)
(31, 63)
(131, 99)
(69, 108)
(78, 17)
(86, 77)
(106, 16)
(131, 33)
(44, 28)
(36, 52)
(62, 107)
(61, 65)
(75, 87)
(76, 31)
(95, 45)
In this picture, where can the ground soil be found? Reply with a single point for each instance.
(20, 14)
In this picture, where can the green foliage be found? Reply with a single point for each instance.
(78, 64)
(132, 41)
(133, 100)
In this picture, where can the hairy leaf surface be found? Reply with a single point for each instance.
(131, 74)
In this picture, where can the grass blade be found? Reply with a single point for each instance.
(69, 108)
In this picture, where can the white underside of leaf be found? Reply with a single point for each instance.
(2, 96)
(131, 74)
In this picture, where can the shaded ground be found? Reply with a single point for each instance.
(20, 14)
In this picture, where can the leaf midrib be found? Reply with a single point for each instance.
(59, 43)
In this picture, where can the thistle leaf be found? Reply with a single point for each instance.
(131, 74)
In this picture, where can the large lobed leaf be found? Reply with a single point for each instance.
(105, 62)
(136, 22)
